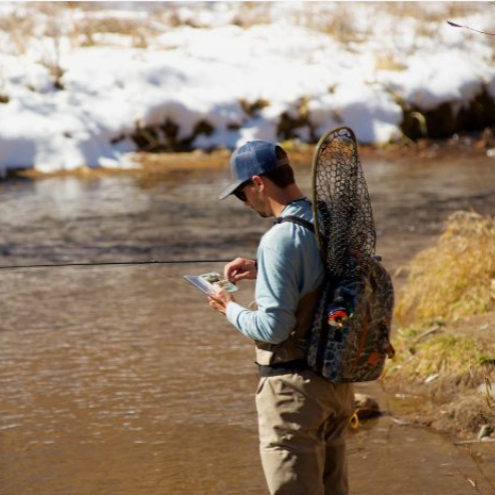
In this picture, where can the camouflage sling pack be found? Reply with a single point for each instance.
(349, 338)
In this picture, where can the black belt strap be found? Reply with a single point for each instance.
(278, 369)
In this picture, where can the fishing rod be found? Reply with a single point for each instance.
(453, 24)
(112, 263)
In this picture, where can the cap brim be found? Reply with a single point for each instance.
(229, 190)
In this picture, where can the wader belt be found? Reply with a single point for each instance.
(283, 368)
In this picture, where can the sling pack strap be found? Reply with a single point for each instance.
(294, 219)
(308, 225)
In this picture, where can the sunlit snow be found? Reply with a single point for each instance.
(205, 67)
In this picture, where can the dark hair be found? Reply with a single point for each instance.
(283, 175)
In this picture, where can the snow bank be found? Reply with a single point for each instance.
(221, 84)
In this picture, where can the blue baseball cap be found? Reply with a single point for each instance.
(253, 158)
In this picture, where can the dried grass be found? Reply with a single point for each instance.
(87, 32)
(341, 25)
(84, 24)
(427, 13)
(389, 62)
(20, 29)
(448, 282)
(456, 357)
(456, 278)
(488, 394)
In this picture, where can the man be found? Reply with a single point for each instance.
(302, 417)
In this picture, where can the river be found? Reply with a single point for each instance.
(122, 381)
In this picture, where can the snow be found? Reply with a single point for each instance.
(213, 62)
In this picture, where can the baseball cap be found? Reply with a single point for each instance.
(253, 158)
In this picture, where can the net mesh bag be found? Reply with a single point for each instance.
(343, 215)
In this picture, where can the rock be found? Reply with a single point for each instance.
(485, 432)
(432, 378)
(366, 406)
(400, 422)
(487, 390)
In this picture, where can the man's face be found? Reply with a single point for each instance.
(251, 195)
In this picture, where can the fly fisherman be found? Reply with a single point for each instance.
(302, 417)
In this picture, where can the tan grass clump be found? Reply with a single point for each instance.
(452, 355)
(456, 277)
(442, 366)
(388, 62)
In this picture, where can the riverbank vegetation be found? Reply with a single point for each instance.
(452, 279)
(446, 318)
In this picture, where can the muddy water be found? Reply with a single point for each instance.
(122, 380)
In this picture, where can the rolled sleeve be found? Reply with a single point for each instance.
(273, 327)
(289, 266)
(277, 296)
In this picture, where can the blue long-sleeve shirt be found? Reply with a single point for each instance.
(289, 267)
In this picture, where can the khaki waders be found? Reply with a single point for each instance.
(302, 418)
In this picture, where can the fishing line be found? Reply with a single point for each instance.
(453, 24)
(120, 264)
(112, 263)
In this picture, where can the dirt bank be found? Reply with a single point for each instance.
(446, 339)
(448, 373)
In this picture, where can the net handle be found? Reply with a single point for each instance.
(314, 167)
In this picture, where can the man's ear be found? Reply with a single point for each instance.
(258, 181)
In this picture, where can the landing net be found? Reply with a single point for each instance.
(342, 207)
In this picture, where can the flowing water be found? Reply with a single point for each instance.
(121, 380)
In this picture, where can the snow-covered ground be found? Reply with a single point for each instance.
(76, 83)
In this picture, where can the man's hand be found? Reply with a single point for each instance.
(240, 269)
(220, 300)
